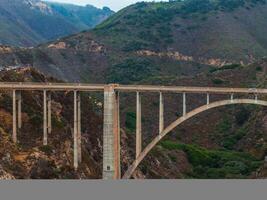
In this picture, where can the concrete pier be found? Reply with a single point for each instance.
(184, 104)
(116, 132)
(75, 134)
(161, 113)
(45, 117)
(49, 113)
(14, 134)
(19, 100)
(138, 125)
(111, 136)
(79, 133)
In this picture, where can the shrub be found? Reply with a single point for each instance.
(217, 81)
(242, 116)
(130, 122)
(46, 149)
(216, 163)
(259, 69)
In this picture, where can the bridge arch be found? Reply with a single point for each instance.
(182, 119)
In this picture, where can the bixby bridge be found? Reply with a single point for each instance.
(111, 128)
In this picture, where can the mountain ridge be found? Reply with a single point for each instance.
(28, 23)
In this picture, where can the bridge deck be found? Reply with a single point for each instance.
(126, 88)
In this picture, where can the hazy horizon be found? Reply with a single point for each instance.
(113, 4)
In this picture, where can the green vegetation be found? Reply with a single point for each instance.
(225, 67)
(153, 25)
(217, 81)
(130, 122)
(232, 134)
(259, 69)
(216, 163)
(131, 70)
(46, 149)
(243, 114)
(230, 141)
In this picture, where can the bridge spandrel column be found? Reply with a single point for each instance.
(49, 113)
(19, 101)
(75, 134)
(138, 125)
(111, 136)
(79, 127)
(45, 117)
(14, 134)
(184, 104)
(161, 113)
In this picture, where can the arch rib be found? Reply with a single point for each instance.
(180, 120)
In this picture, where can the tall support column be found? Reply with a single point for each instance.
(19, 109)
(79, 127)
(111, 147)
(208, 98)
(138, 125)
(14, 134)
(116, 129)
(45, 118)
(49, 114)
(184, 104)
(161, 113)
(75, 134)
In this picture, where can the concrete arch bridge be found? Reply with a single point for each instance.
(111, 122)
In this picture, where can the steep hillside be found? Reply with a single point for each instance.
(193, 42)
(82, 16)
(31, 22)
(200, 30)
(232, 146)
(150, 40)
(29, 159)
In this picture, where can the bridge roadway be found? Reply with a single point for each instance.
(126, 88)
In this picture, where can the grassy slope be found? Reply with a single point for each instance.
(194, 28)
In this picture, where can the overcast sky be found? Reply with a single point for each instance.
(113, 4)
